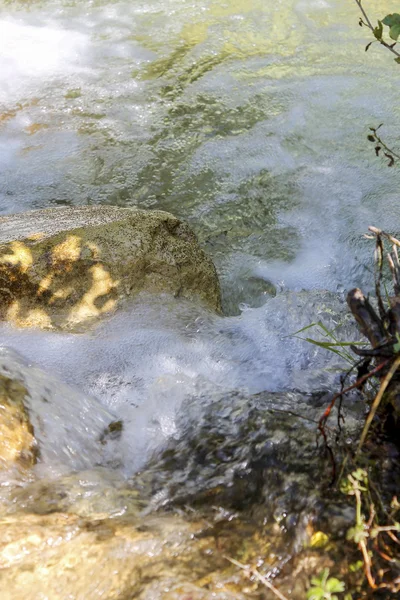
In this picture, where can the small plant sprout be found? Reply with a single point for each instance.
(324, 587)
(374, 541)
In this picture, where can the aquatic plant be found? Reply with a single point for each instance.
(378, 544)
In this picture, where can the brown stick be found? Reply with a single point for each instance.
(366, 317)
(355, 385)
(377, 402)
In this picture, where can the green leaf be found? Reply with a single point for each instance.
(331, 346)
(395, 31)
(328, 346)
(321, 579)
(360, 475)
(315, 593)
(357, 566)
(393, 22)
(397, 60)
(396, 346)
(324, 587)
(357, 534)
(390, 20)
(324, 576)
(304, 328)
(334, 585)
(378, 31)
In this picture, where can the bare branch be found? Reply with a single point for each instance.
(376, 402)
(252, 571)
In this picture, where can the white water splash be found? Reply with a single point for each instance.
(143, 363)
(31, 56)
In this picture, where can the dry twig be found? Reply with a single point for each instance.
(251, 571)
(377, 402)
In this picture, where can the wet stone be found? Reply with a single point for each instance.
(62, 268)
(17, 442)
(254, 454)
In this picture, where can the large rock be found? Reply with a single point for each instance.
(17, 442)
(61, 268)
(62, 556)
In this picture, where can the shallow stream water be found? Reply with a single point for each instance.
(248, 119)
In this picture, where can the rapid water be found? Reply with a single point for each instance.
(247, 118)
(142, 364)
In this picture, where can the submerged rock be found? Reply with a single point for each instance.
(245, 452)
(158, 557)
(60, 268)
(17, 441)
(62, 555)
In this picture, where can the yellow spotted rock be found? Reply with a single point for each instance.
(63, 267)
(17, 442)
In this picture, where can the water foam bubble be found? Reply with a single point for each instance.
(31, 54)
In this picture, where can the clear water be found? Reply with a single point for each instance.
(245, 117)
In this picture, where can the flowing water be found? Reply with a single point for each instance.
(248, 119)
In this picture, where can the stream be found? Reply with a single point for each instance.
(248, 119)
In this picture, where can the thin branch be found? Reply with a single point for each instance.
(368, 24)
(252, 571)
(393, 537)
(355, 385)
(328, 410)
(378, 276)
(377, 231)
(394, 272)
(387, 528)
(379, 141)
(377, 401)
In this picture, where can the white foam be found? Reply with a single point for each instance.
(31, 55)
(143, 363)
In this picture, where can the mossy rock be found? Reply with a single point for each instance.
(64, 267)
